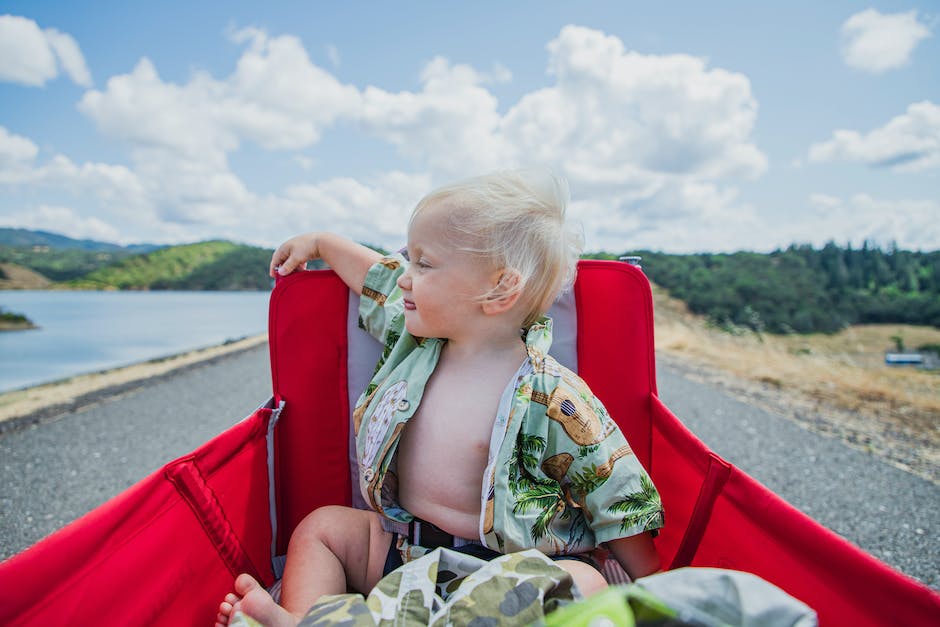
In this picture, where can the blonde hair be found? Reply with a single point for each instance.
(516, 220)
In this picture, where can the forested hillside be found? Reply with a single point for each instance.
(60, 258)
(215, 265)
(802, 289)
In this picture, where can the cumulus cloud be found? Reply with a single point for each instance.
(910, 223)
(876, 42)
(62, 220)
(909, 142)
(16, 155)
(632, 132)
(278, 97)
(451, 125)
(690, 216)
(373, 210)
(612, 117)
(32, 56)
(644, 140)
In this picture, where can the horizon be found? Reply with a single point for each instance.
(869, 245)
(745, 129)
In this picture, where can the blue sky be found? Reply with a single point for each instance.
(680, 126)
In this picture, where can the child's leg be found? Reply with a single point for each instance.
(332, 549)
(588, 579)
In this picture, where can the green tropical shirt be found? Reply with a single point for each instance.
(560, 478)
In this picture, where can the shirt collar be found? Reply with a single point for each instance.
(539, 335)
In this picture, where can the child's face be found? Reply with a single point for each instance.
(442, 285)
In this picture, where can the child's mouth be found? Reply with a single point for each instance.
(409, 304)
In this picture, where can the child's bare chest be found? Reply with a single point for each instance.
(455, 412)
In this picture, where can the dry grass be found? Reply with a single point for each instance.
(834, 383)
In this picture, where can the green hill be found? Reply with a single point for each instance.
(60, 258)
(25, 238)
(213, 265)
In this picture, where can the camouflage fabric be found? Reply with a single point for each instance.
(448, 588)
(560, 477)
(689, 597)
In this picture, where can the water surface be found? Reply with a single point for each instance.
(83, 332)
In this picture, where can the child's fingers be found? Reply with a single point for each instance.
(292, 263)
(279, 258)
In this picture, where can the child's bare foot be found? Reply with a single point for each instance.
(253, 600)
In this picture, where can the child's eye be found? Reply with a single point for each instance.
(421, 263)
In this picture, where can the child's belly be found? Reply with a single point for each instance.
(443, 483)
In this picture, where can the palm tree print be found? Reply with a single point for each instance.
(548, 500)
(588, 480)
(525, 455)
(643, 508)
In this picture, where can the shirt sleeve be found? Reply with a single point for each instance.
(381, 308)
(604, 476)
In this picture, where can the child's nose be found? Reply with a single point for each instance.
(404, 280)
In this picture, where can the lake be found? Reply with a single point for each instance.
(83, 332)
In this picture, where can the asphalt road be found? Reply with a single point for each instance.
(54, 472)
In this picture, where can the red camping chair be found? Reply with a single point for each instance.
(166, 550)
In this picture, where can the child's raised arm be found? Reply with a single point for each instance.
(351, 261)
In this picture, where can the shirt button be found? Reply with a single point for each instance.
(403, 405)
(368, 473)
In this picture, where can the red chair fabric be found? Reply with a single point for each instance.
(161, 553)
(165, 551)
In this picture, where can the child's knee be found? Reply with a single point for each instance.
(320, 523)
(587, 578)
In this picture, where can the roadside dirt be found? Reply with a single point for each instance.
(38, 403)
(834, 385)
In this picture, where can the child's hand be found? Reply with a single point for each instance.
(294, 254)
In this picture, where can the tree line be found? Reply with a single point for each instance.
(797, 290)
(802, 289)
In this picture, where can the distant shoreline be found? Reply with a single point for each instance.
(36, 404)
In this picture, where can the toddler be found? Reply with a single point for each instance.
(470, 435)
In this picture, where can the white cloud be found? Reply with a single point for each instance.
(181, 135)
(147, 113)
(642, 138)
(876, 42)
(612, 117)
(907, 143)
(681, 217)
(16, 155)
(63, 220)
(375, 210)
(910, 223)
(70, 56)
(295, 98)
(619, 117)
(645, 140)
(32, 56)
(451, 125)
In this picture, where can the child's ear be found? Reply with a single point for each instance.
(506, 292)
